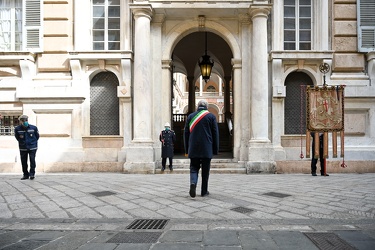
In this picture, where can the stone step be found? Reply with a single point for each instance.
(212, 171)
(218, 166)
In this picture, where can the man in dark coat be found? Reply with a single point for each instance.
(201, 141)
(167, 138)
(27, 136)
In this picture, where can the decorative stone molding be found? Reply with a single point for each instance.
(158, 18)
(28, 69)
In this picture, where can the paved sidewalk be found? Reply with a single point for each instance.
(97, 211)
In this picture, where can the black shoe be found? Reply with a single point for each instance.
(32, 177)
(313, 174)
(171, 168)
(162, 169)
(25, 178)
(192, 190)
(325, 175)
(206, 194)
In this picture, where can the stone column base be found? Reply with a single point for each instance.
(265, 167)
(139, 160)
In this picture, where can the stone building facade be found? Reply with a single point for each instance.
(96, 77)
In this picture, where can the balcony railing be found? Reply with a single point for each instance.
(179, 117)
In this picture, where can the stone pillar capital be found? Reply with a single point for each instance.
(244, 18)
(166, 64)
(237, 63)
(259, 11)
(142, 10)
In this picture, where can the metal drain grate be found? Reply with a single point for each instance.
(243, 210)
(328, 241)
(102, 193)
(148, 224)
(278, 195)
(135, 237)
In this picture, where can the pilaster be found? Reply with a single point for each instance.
(239, 144)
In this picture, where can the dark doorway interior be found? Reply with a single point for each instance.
(217, 90)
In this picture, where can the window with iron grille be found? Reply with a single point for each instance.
(297, 24)
(104, 105)
(106, 24)
(7, 124)
(295, 103)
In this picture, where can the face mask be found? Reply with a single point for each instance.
(25, 124)
(167, 128)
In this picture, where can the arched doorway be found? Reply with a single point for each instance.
(295, 105)
(104, 104)
(189, 87)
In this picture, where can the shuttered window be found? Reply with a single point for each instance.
(366, 25)
(32, 24)
(20, 25)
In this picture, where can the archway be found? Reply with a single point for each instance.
(189, 87)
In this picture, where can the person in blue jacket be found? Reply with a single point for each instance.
(27, 136)
(201, 141)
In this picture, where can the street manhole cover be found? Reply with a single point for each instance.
(328, 241)
(103, 193)
(243, 210)
(135, 237)
(278, 195)
(148, 224)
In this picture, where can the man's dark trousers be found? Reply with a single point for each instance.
(31, 154)
(195, 165)
(314, 160)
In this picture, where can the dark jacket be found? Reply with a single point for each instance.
(203, 140)
(167, 138)
(27, 137)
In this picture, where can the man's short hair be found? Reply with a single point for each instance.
(203, 103)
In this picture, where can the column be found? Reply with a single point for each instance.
(191, 94)
(142, 75)
(220, 87)
(226, 96)
(259, 75)
(200, 86)
(140, 152)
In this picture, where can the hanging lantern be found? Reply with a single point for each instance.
(205, 64)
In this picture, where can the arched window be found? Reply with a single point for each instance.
(295, 103)
(211, 89)
(104, 105)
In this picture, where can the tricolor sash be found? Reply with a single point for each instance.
(197, 118)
